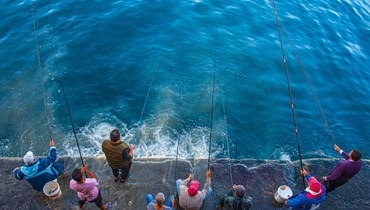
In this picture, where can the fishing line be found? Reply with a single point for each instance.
(289, 90)
(309, 83)
(177, 155)
(40, 71)
(227, 140)
(175, 174)
(144, 106)
(212, 104)
(69, 110)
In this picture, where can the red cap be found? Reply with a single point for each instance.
(314, 185)
(315, 189)
(193, 188)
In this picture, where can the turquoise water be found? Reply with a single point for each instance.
(106, 54)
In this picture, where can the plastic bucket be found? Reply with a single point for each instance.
(52, 190)
(283, 193)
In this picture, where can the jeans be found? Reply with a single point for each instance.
(124, 172)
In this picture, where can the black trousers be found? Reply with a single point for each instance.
(124, 171)
(330, 185)
(98, 201)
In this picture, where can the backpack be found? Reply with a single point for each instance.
(244, 203)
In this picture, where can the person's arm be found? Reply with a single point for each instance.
(337, 171)
(344, 155)
(340, 151)
(232, 191)
(18, 173)
(131, 153)
(305, 174)
(168, 207)
(173, 207)
(89, 173)
(46, 162)
(52, 153)
(186, 181)
(207, 185)
(128, 153)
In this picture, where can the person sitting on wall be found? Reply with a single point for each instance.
(236, 199)
(190, 198)
(313, 194)
(159, 202)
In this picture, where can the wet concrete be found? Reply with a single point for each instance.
(261, 178)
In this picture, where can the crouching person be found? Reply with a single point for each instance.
(190, 198)
(313, 195)
(236, 199)
(159, 202)
(38, 172)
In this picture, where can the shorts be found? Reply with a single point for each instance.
(98, 201)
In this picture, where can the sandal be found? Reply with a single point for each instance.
(116, 178)
(108, 205)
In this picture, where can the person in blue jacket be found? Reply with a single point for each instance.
(39, 172)
(313, 194)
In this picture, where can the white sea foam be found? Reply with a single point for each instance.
(154, 139)
(285, 157)
(283, 154)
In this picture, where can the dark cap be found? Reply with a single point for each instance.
(240, 190)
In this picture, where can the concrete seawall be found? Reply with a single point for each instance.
(261, 178)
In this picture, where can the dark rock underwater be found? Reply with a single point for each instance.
(261, 178)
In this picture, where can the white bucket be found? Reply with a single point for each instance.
(283, 193)
(52, 190)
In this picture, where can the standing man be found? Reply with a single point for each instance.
(119, 155)
(344, 170)
(39, 172)
(86, 188)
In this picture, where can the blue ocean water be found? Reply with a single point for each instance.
(113, 55)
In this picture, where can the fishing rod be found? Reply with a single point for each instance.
(309, 84)
(290, 91)
(69, 110)
(175, 174)
(40, 72)
(212, 103)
